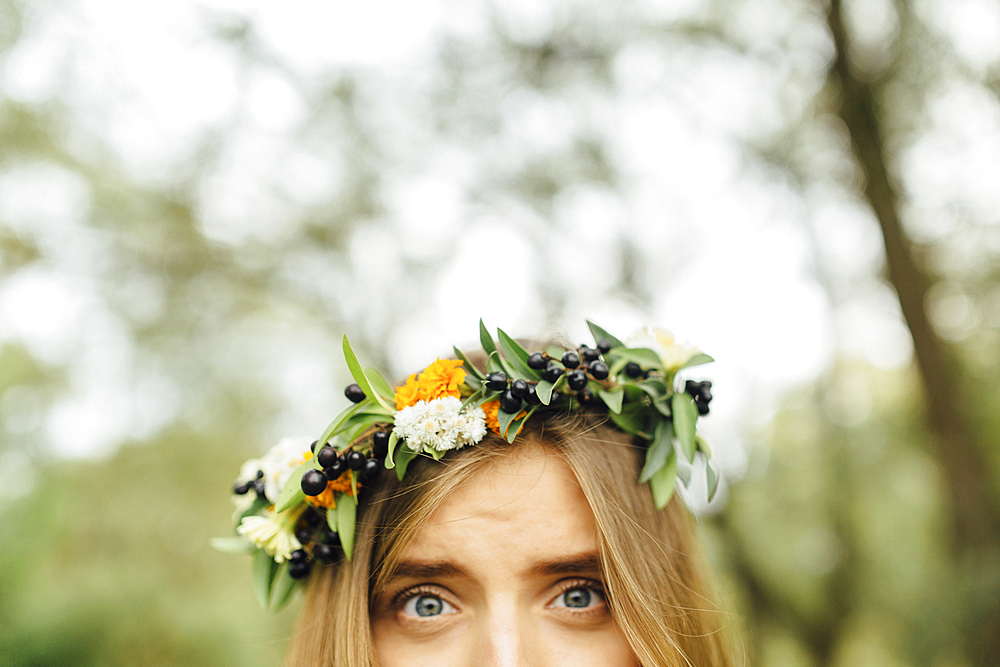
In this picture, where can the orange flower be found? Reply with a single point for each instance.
(441, 379)
(491, 408)
(327, 499)
(408, 394)
(493, 422)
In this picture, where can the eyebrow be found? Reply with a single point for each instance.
(585, 563)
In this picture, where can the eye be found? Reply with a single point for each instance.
(580, 597)
(424, 605)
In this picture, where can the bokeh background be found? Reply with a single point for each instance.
(199, 197)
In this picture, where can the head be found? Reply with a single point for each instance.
(545, 552)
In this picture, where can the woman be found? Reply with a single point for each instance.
(529, 544)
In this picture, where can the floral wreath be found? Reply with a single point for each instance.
(297, 505)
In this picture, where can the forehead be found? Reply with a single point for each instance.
(516, 511)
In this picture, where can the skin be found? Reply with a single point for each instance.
(505, 573)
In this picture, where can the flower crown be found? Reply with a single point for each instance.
(297, 505)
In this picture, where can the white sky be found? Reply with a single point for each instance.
(150, 80)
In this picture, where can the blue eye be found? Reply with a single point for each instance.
(425, 605)
(580, 597)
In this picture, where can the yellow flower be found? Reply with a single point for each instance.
(672, 354)
(441, 379)
(408, 394)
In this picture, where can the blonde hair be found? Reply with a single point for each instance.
(650, 560)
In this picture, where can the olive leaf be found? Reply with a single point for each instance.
(292, 494)
(517, 356)
(602, 335)
(486, 339)
(662, 482)
(657, 452)
(685, 414)
(347, 510)
(262, 572)
(393, 439)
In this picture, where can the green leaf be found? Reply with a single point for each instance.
(640, 355)
(685, 415)
(631, 419)
(331, 519)
(339, 421)
(515, 426)
(684, 472)
(517, 356)
(403, 460)
(347, 511)
(281, 589)
(292, 494)
(712, 478)
(505, 420)
(697, 360)
(600, 334)
(486, 339)
(359, 375)
(263, 570)
(657, 452)
(545, 389)
(662, 483)
(469, 366)
(379, 384)
(393, 439)
(232, 545)
(702, 446)
(613, 398)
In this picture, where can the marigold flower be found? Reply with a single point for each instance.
(408, 394)
(441, 379)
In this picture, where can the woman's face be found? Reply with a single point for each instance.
(506, 572)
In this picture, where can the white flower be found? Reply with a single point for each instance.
(671, 353)
(440, 425)
(280, 462)
(272, 532)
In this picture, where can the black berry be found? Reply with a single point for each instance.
(327, 536)
(537, 361)
(299, 570)
(589, 354)
(599, 370)
(509, 403)
(355, 460)
(311, 518)
(604, 346)
(326, 457)
(632, 369)
(242, 489)
(304, 534)
(571, 359)
(298, 556)
(585, 396)
(354, 393)
(552, 373)
(336, 469)
(370, 470)
(519, 388)
(576, 380)
(380, 443)
(701, 405)
(531, 398)
(313, 482)
(325, 553)
(312, 447)
(496, 381)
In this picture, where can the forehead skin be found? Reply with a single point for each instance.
(500, 530)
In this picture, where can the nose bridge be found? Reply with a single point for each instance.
(507, 633)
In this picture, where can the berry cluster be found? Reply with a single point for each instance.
(319, 543)
(576, 365)
(335, 464)
(702, 394)
(256, 484)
